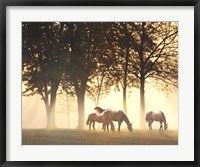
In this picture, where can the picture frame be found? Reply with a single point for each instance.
(4, 81)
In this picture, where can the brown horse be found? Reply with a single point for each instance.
(92, 118)
(160, 117)
(118, 116)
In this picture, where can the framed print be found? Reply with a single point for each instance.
(99, 83)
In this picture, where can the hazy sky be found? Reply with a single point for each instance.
(34, 113)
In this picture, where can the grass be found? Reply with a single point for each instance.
(85, 137)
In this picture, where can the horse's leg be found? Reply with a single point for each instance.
(112, 126)
(151, 121)
(161, 127)
(107, 126)
(149, 124)
(93, 125)
(119, 125)
(90, 125)
(103, 126)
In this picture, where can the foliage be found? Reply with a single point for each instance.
(88, 58)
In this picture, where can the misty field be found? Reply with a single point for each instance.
(85, 137)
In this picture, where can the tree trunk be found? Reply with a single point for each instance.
(51, 124)
(51, 119)
(124, 100)
(81, 109)
(142, 103)
(97, 103)
(125, 80)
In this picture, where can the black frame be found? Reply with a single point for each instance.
(5, 3)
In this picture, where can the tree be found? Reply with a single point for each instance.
(100, 84)
(91, 57)
(83, 61)
(101, 80)
(44, 54)
(155, 56)
(120, 40)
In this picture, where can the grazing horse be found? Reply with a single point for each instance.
(118, 116)
(92, 118)
(159, 117)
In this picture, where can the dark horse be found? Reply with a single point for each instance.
(118, 116)
(94, 117)
(160, 117)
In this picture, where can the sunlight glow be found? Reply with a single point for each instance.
(34, 113)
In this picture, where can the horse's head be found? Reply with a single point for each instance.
(166, 126)
(130, 127)
(99, 110)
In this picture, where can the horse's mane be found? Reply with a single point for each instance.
(99, 109)
(125, 117)
(163, 115)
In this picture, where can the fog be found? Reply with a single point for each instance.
(34, 113)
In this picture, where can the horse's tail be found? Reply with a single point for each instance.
(148, 116)
(87, 122)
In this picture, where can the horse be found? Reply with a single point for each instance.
(118, 116)
(159, 117)
(92, 118)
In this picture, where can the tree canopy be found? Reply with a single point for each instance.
(88, 58)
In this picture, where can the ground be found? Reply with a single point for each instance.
(85, 137)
